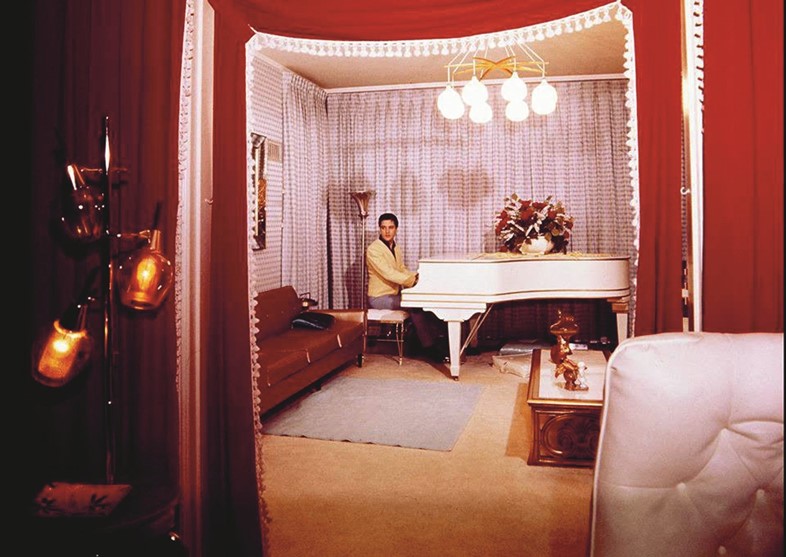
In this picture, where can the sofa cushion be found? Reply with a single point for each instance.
(317, 344)
(277, 365)
(347, 331)
(313, 320)
(275, 310)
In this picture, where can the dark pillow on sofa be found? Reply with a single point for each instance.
(313, 320)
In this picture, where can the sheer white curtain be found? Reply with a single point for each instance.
(447, 180)
(304, 242)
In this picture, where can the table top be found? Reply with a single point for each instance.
(547, 390)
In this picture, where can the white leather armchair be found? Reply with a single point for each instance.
(690, 454)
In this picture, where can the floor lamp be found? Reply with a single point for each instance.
(138, 278)
(361, 199)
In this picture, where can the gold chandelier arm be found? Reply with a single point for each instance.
(503, 65)
(506, 65)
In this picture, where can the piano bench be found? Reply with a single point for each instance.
(396, 321)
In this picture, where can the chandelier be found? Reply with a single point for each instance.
(474, 93)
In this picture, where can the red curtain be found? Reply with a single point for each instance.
(657, 35)
(743, 166)
(232, 501)
(91, 59)
(361, 20)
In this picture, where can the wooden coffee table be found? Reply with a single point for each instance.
(565, 424)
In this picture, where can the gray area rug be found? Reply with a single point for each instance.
(401, 413)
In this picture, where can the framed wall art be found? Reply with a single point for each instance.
(259, 189)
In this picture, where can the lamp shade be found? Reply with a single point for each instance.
(145, 277)
(361, 198)
(82, 211)
(62, 351)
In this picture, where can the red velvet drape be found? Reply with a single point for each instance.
(743, 166)
(96, 58)
(656, 30)
(232, 514)
(360, 20)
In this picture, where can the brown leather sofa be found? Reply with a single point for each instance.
(291, 356)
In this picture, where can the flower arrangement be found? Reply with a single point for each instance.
(524, 220)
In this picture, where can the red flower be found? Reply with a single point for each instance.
(526, 214)
(522, 220)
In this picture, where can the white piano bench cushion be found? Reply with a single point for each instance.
(387, 315)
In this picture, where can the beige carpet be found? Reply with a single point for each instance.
(332, 498)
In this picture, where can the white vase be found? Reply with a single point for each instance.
(537, 246)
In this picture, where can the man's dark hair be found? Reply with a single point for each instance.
(387, 216)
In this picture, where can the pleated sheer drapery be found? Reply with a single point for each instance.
(447, 180)
(304, 239)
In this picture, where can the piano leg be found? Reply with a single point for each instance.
(620, 308)
(454, 340)
(454, 317)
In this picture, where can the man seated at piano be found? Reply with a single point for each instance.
(387, 275)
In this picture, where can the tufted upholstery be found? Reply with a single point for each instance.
(690, 455)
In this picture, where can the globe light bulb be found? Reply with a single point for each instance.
(62, 351)
(474, 92)
(480, 113)
(450, 104)
(517, 111)
(514, 88)
(146, 271)
(145, 277)
(544, 98)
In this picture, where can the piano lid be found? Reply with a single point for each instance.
(498, 277)
(486, 257)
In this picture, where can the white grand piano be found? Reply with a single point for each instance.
(458, 287)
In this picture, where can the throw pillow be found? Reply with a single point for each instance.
(313, 320)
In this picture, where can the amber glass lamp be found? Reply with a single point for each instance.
(82, 215)
(61, 354)
(145, 277)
